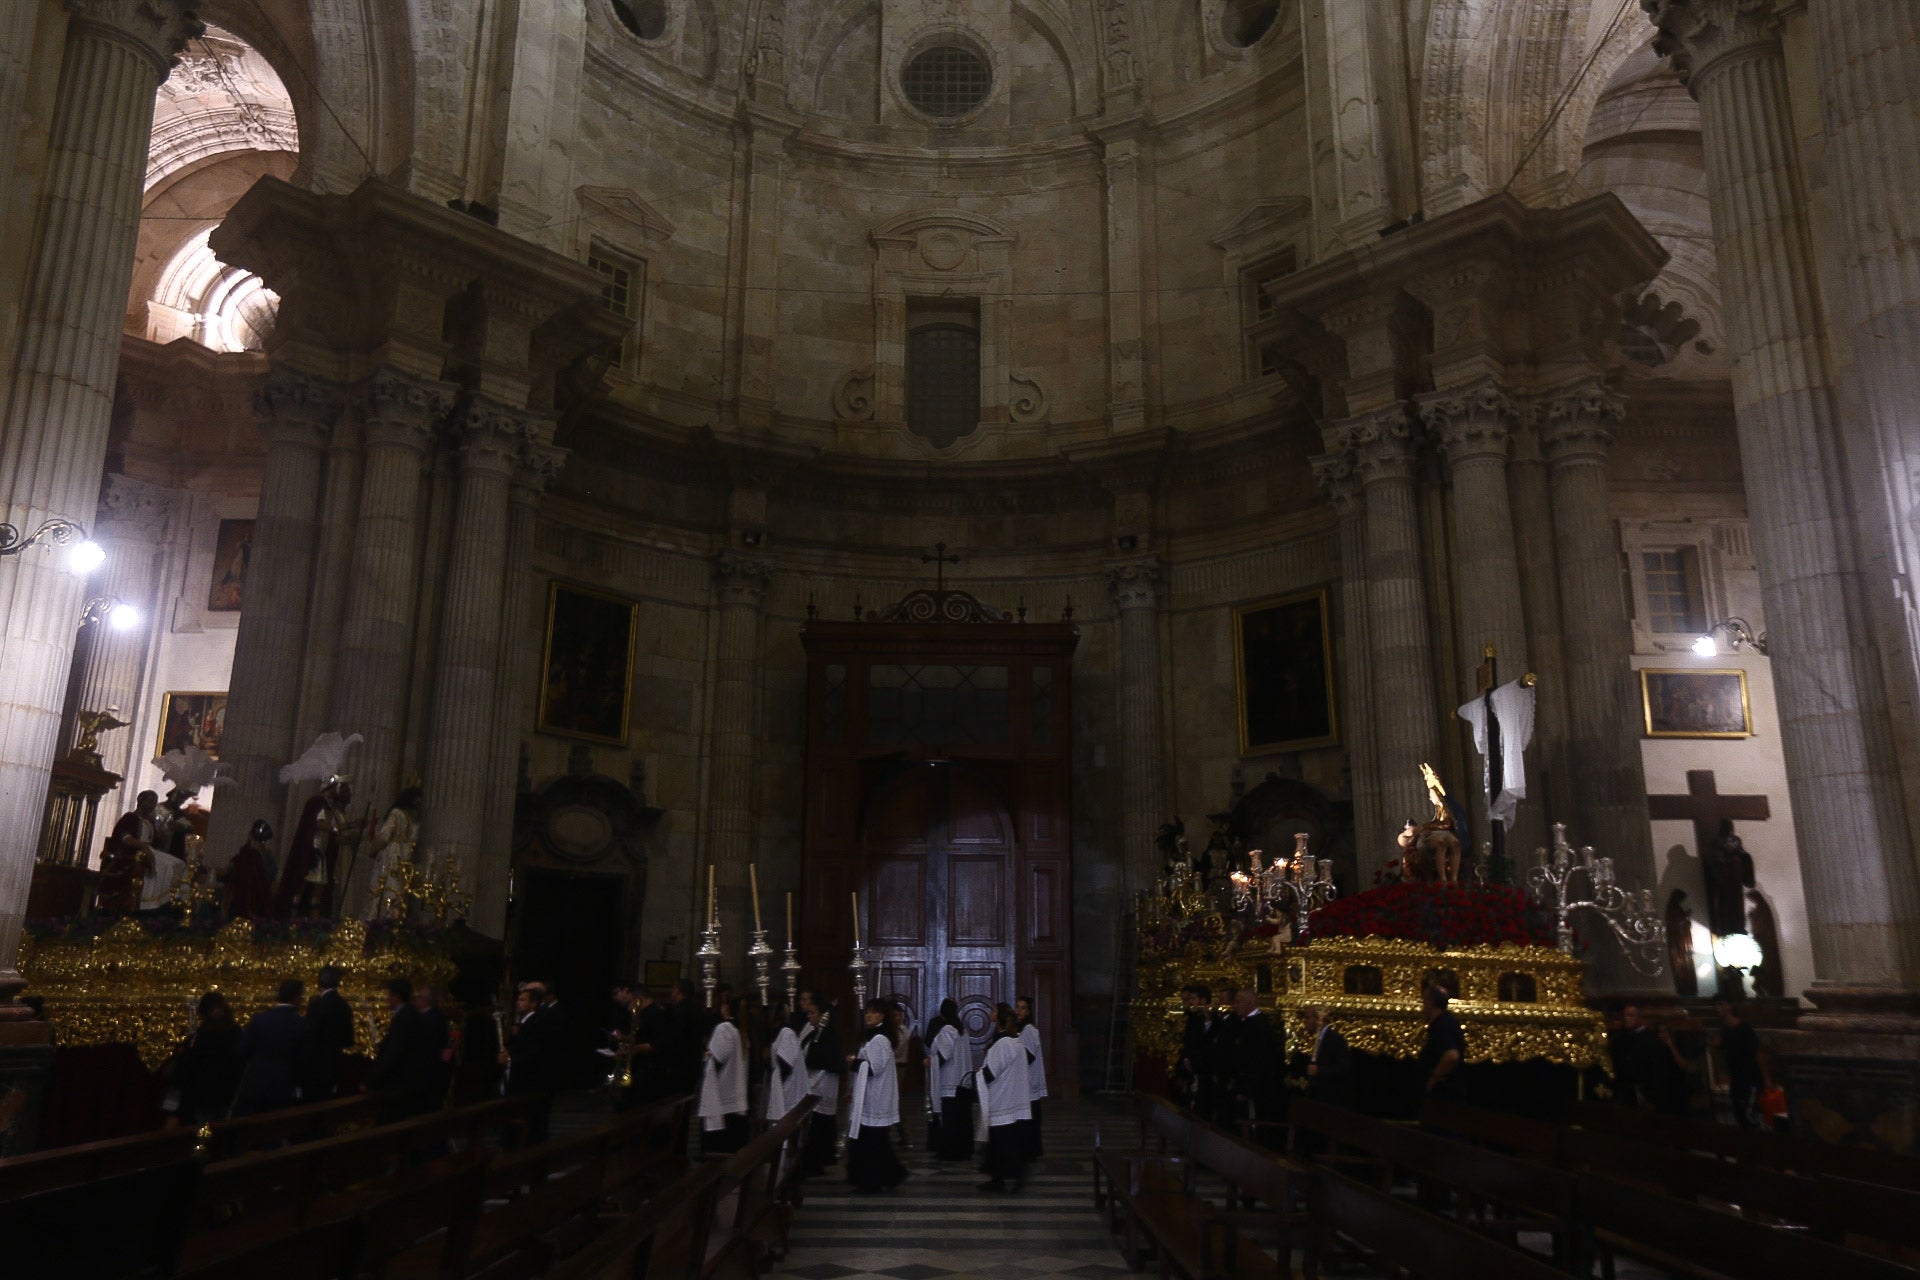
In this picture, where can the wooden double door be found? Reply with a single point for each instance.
(939, 854)
(939, 795)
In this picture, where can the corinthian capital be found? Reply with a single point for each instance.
(403, 408)
(1695, 34)
(1134, 584)
(1336, 474)
(741, 579)
(159, 29)
(1578, 422)
(297, 406)
(1471, 422)
(131, 509)
(1380, 443)
(494, 436)
(539, 465)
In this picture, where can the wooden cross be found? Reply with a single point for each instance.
(940, 560)
(1704, 804)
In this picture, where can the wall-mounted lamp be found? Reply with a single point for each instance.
(85, 557)
(1739, 636)
(112, 610)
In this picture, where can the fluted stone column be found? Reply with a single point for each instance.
(1135, 587)
(1548, 767)
(518, 665)
(131, 528)
(296, 411)
(459, 746)
(1400, 646)
(1869, 59)
(740, 584)
(1474, 426)
(1577, 425)
(53, 432)
(1372, 835)
(400, 415)
(1856, 860)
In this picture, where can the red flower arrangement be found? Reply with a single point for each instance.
(1444, 915)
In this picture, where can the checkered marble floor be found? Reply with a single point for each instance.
(938, 1227)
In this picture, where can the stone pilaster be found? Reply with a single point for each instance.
(1473, 425)
(740, 585)
(1577, 425)
(399, 415)
(297, 412)
(53, 432)
(1135, 588)
(333, 541)
(1381, 446)
(1540, 597)
(1335, 474)
(459, 744)
(130, 527)
(1126, 373)
(1856, 859)
(518, 660)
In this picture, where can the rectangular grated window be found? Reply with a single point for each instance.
(1675, 604)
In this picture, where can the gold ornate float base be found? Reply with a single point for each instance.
(1515, 1004)
(128, 986)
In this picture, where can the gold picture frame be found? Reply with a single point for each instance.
(1695, 702)
(192, 717)
(586, 658)
(1283, 673)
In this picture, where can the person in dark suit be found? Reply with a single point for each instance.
(535, 1056)
(205, 1071)
(1223, 1038)
(1259, 1068)
(276, 1052)
(1195, 1073)
(331, 1018)
(404, 1064)
(439, 1034)
(1329, 1060)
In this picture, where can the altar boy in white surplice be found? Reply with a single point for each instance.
(874, 1108)
(723, 1089)
(1005, 1108)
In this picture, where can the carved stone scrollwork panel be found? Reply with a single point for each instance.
(1029, 399)
(853, 396)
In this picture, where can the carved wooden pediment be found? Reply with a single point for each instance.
(622, 204)
(939, 606)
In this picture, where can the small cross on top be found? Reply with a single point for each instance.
(940, 560)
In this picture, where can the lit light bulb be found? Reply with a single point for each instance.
(1706, 647)
(123, 617)
(86, 557)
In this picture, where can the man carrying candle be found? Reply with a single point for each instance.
(874, 1110)
(820, 1047)
(723, 1090)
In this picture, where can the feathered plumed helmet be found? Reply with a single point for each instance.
(324, 762)
(187, 769)
(262, 830)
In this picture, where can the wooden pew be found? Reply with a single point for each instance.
(754, 1214)
(1400, 1235)
(1529, 1195)
(124, 1225)
(1788, 1153)
(664, 1239)
(1165, 1208)
(1689, 1240)
(89, 1161)
(323, 1252)
(1120, 1175)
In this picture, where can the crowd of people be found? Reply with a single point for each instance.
(296, 1051)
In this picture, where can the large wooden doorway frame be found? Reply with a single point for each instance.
(1031, 772)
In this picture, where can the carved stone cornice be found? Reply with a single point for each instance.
(296, 407)
(159, 29)
(1698, 34)
(403, 409)
(1134, 584)
(1579, 422)
(540, 464)
(1472, 423)
(740, 579)
(132, 509)
(1381, 444)
(1339, 479)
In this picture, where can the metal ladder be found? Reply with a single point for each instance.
(1119, 1073)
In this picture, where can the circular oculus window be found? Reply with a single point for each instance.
(946, 81)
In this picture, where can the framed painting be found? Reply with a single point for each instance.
(1283, 673)
(232, 551)
(586, 672)
(1689, 702)
(197, 719)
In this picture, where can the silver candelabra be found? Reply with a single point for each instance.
(1301, 885)
(709, 958)
(857, 965)
(761, 953)
(1632, 917)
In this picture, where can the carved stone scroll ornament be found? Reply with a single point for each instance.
(853, 396)
(1028, 403)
